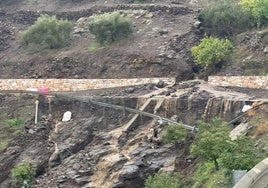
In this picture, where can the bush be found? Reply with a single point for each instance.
(202, 174)
(23, 174)
(258, 8)
(162, 180)
(211, 51)
(109, 27)
(224, 17)
(173, 133)
(242, 155)
(15, 122)
(48, 31)
(206, 176)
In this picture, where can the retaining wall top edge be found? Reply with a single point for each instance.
(154, 78)
(238, 77)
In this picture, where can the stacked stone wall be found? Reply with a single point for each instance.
(75, 84)
(258, 82)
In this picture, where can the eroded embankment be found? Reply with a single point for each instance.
(106, 147)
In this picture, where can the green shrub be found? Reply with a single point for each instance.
(162, 180)
(15, 122)
(206, 176)
(109, 27)
(258, 8)
(48, 31)
(202, 174)
(23, 174)
(3, 143)
(242, 155)
(220, 179)
(211, 51)
(173, 133)
(224, 17)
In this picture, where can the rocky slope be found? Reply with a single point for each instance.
(94, 150)
(159, 46)
(103, 147)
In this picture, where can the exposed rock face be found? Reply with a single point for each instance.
(102, 147)
(75, 139)
(33, 148)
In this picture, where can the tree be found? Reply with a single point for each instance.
(173, 133)
(162, 180)
(109, 27)
(48, 31)
(213, 143)
(212, 139)
(23, 174)
(224, 17)
(258, 8)
(211, 51)
(241, 155)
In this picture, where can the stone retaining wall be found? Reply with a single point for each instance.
(29, 17)
(258, 82)
(75, 84)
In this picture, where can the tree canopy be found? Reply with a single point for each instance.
(241, 155)
(258, 8)
(225, 17)
(211, 50)
(211, 141)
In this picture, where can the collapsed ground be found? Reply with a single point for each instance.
(164, 31)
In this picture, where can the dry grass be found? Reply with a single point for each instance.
(260, 129)
(259, 120)
(242, 52)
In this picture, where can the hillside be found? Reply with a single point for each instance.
(159, 47)
(106, 147)
(164, 32)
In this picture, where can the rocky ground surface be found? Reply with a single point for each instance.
(163, 34)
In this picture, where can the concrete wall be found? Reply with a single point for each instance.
(260, 82)
(253, 178)
(76, 84)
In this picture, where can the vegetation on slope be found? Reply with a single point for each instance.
(109, 27)
(219, 155)
(220, 18)
(23, 174)
(48, 32)
(11, 128)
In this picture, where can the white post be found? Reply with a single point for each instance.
(36, 111)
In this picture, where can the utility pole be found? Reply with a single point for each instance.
(49, 98)
(36, 111)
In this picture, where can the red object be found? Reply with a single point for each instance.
(42, 90)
